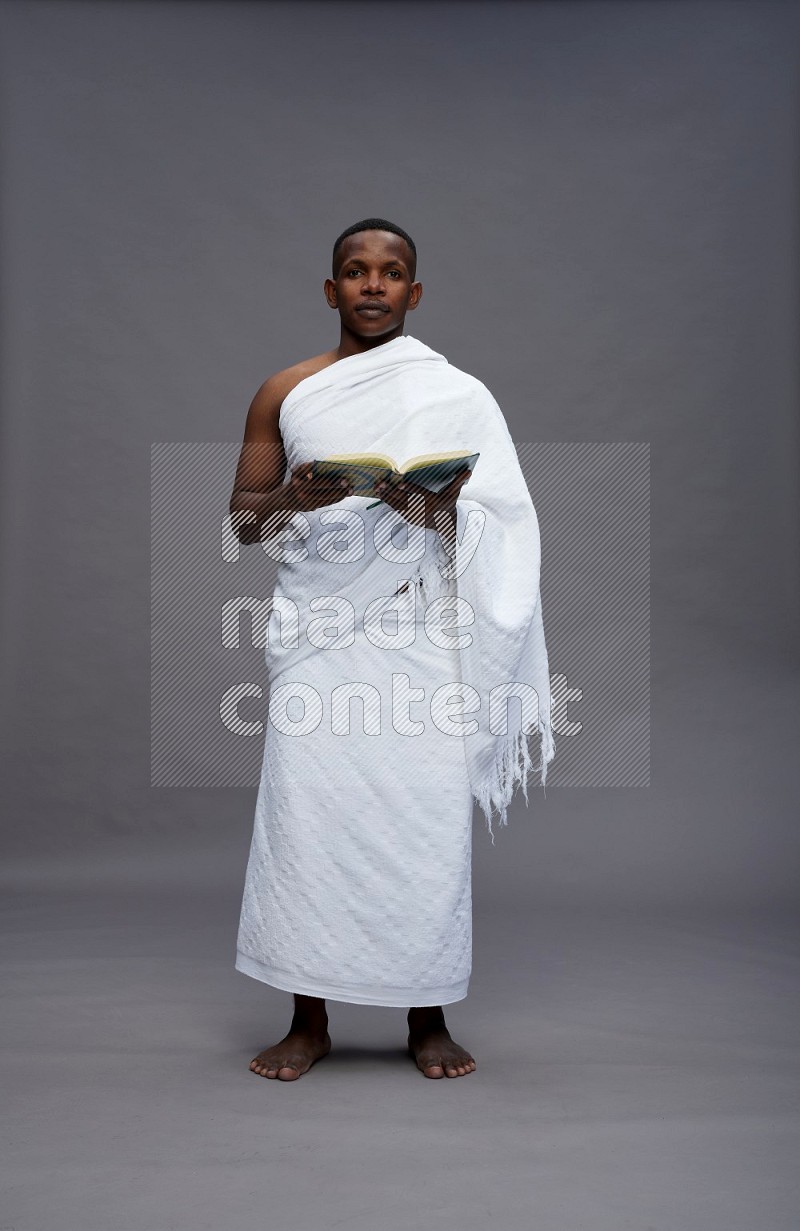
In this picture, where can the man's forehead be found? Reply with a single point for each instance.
(375, 243)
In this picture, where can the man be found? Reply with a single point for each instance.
(358, 883)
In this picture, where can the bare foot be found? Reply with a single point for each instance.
(307, 1041)
(435, 1052)
(293, 1056)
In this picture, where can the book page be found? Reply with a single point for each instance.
(362, 459)
(427, 459)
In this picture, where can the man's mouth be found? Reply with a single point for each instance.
(372, 307)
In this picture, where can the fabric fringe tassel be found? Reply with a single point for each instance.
(511, 766)
(513, 762)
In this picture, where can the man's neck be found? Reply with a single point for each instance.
(352, 344)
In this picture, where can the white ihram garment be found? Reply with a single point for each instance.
(358, 883)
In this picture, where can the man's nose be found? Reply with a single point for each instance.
(374, 284)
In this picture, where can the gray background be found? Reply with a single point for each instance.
(604, 197)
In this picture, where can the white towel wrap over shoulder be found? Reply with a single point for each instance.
(404, 399)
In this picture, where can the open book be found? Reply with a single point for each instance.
(432, 471)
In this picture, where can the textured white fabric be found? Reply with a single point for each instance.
(358, 884)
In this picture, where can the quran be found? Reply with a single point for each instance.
(432, 471)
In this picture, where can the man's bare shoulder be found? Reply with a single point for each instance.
(277, 387)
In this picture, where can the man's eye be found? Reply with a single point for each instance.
(353, 271)
(395, 272)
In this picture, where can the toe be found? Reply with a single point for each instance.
(288, 1073)
(259, 1065)
(433, 1070)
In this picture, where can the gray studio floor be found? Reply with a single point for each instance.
(641, 1073)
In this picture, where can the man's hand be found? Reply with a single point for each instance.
(422, 507)
(309, 491)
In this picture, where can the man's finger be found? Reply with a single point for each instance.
(459, 479)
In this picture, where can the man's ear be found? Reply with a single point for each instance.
(329, 289)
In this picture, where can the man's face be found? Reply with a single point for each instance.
(374, 287)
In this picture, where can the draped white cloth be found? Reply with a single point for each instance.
(358, 885)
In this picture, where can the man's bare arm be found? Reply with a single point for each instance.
(258, 488)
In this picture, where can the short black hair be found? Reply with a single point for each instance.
(375, 224)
